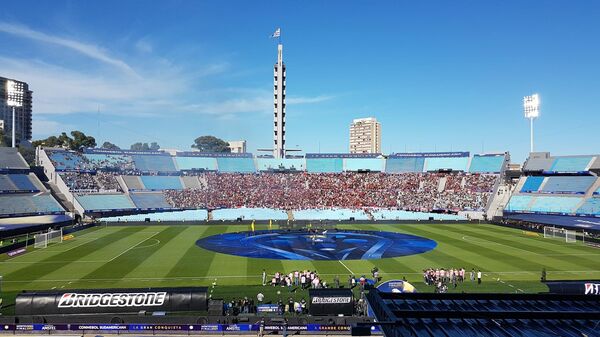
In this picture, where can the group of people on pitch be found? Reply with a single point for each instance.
(441, 278)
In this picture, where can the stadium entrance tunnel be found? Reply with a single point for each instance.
(322, 245)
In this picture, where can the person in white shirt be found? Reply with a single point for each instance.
(479, 277)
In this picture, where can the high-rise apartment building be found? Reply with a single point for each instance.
(22, 113)
(365, 135)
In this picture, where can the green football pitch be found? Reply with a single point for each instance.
(166, 256)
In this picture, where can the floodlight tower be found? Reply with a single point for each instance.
(14, 99)
(531, 108)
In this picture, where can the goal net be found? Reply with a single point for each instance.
(44, 239)
(570, 236)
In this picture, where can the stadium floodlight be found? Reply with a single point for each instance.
(14, 99)
(531, 108)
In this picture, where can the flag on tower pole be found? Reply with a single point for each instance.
(276, 34)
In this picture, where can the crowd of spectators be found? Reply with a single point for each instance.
(81, 162)
(295, 191)
(90, 182)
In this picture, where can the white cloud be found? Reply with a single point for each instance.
(159, 87)
(45, 128)
(89, 50)
(144, 46)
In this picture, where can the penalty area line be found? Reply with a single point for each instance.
(345, 266)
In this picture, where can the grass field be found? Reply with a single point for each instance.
(136, 256)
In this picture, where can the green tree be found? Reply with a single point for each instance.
(210, 144)
(80, 141)
(145, 147)
(110, 146)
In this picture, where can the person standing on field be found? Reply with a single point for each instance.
(264, 277)
(479, 276)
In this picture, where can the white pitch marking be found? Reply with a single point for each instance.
(345, 266)
(130, 248)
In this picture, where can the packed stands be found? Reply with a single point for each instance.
(28, 204)
(244, 213)
(190, 180)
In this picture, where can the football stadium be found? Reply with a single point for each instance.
(218, 240)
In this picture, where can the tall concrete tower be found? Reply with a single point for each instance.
(279, 117)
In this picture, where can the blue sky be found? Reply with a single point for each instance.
(438, 75)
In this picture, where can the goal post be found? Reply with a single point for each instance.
(550, 232)
(570, 236)
(43, 239)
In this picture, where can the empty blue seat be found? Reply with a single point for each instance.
(236, 165)
(453, 163)
(555, 204)
(149, 200)
(364, 164)
(104, 202)
(519, 203)
(324, 165)
(401, 165)
(18, 204)
(269, 164)
(571, 164)
(162, 182)
(23, 182)
(590, 207)
(568, 184)
(487, 164)
(532, 184)
(196, 163)
(154, 163)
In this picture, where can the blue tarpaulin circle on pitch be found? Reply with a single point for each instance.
(328, 245)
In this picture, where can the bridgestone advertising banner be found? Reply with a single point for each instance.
(327, 302)
(105, 301)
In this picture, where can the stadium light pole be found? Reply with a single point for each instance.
(531, 109)
(14, 99)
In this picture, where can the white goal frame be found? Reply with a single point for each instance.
(570, 236)
(52, 236)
